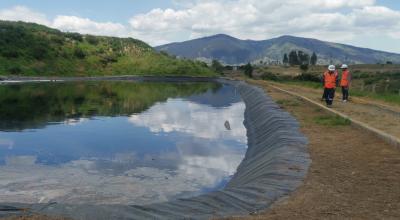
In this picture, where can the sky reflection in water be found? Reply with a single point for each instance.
(176, 146)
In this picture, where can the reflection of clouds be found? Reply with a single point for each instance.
(124, 179)
(75, 121)
(208, 161)
(20, 160)
(198, 120)
(9, 144)
(206, 154)
(79, 183)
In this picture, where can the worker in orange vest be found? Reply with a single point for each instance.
(330, 80)
(345, 82)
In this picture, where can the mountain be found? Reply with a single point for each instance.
(36, 50)
(230, 50)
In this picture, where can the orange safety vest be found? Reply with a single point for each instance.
(345, 78)
(330, 79)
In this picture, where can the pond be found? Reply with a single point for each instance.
(115, 142)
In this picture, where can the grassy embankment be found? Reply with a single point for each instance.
(381, 82)
(34, 50)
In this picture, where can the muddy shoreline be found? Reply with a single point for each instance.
(275, 164)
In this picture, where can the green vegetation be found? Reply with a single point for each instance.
(35, 50)
(331, 121)
(381, 82)
(217, 67)
(313, 59)
(285, 60)
(299, 58)
(248, 70)
(33, 105)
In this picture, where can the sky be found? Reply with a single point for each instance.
(366, 23)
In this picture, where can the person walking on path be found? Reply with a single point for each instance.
(330, 80)
(345, 82)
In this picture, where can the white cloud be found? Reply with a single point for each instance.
(87, 26)
(64, 23)
(22, 13)
(334, 20)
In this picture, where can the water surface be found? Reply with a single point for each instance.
(117, 142)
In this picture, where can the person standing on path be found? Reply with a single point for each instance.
(345, 82)
(330, 80)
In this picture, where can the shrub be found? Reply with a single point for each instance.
(307, 77)
(92, 40)
(10, 54)
(269, 76)
(108, 59)
(248, 70)
(79, 53)
(39, 52)
(15, 70)
(304, 67)
(74, 36)
(57, 39)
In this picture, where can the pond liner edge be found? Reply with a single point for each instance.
(275, 165)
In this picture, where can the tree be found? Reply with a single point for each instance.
(314, 59)
(293, 58)
(248, 70)
(304, 58)
(285, 59)
(217, 66)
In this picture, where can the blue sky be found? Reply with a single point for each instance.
(103, 11)
(366, 23)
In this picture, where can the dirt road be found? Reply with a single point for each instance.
(353, 175)
(374, 113)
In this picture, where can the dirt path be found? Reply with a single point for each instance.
(374, 113)
(353, 175)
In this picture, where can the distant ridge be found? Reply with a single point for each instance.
(230, 50)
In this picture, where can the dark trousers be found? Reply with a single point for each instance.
(329, 95)
(345, 92)
(324, 95)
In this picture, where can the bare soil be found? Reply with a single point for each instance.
(353, 174)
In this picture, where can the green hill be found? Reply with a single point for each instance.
(34, 50)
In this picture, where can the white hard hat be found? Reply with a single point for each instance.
(331, 68)
(344, 66)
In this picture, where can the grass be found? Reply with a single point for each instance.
(331, 121)
(389, 97)
(34, 50)
(375, 81)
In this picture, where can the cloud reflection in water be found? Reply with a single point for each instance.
(205, 154)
